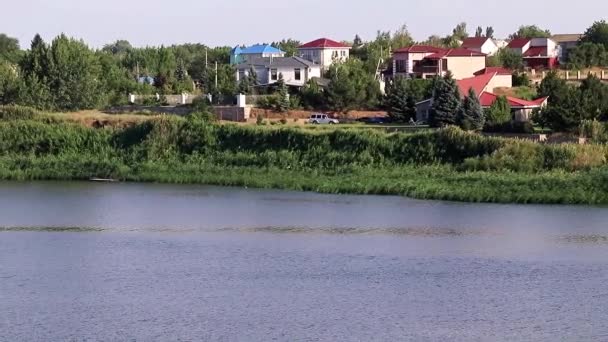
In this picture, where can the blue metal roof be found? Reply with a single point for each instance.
(260, 48)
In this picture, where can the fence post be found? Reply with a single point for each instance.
(567, 75)
(578, 75)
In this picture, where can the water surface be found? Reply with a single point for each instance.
(145, 262)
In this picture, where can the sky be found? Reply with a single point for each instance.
(234, 22)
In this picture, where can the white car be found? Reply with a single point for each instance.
(322, 119)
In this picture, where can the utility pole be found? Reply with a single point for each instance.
(216, 75)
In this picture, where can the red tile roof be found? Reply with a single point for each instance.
(474, 42)
(322, 43)
(487, 99)
(456, 53)
(492, 70)
(478, 83)
(420, 49)
(518, 43)
(537, 51)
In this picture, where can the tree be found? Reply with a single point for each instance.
(446, 102)
(479, 32)
(471, 115)
(499, 113)
(283, 94)
(396, 100)
(434, 40)
(357, 41)
(593, 98)
(312, 95)
(597, 34)
(119, 47)
(564, 111)
(506, 58)
(9, 49)
(490, 32)
(352, 86)
(587, 55)
(289, 46)
(9, 83)
(530, 31)
(460, 31)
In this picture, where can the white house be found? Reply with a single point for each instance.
(481, 44)
(324, 52)
(295, 70)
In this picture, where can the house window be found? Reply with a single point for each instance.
(401, 66)
(315, 53)
(343, 53)
(297, 74)
(444, 64)
(241, 74)
(274, 75)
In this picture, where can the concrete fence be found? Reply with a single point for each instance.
(171, 100)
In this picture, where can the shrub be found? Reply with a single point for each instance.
(283, 121)
(12, 112)
(259, 120)
(511, 127)
(593, 130)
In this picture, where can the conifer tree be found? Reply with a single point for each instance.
(446, 102)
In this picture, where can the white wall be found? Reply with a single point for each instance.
(489, 48)
(325, 57)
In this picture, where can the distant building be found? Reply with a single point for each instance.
(324, 52)
(423, 61)
(566, 42)
(484, 85)
(296, 71)
(241, 55)
(480, 44)
(537, 53)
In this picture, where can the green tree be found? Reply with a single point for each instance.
(479, 32)
(283, 103)
(460, 31)
(471, 115)
(490, 32)
(396, 99)
(499, 113)
(357, 41)
(119, 47)
(9, 49)
(352, 86)
(446, 102)
(289, 46)
(312, 95)
(587, 55)
(593, 98)
(597, 34)
(9, 83)
(530, 31)
(506, 58)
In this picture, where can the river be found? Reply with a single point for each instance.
(148, 262)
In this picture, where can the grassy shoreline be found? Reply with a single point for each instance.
(447, 164)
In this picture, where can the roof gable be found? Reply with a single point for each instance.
(324, 43)
(496, 70)
(459, 52)
(478, 83)
(518, 43)
(487, 99)
(474, 42)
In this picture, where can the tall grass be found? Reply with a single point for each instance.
(445, 164)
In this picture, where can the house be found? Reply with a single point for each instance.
(566, 42)
(503, 77)
(296, 71)
(423, 61)
(240, 55)
(324, 52)
(480, 44)
(537, 53)
(484, 86)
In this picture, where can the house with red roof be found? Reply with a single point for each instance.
(324, 52)
(480, 44)
(484, 86)
(423, 61)
(537, 53)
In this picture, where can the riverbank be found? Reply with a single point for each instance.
(446, 165)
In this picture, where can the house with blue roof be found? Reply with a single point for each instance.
(240, 55)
